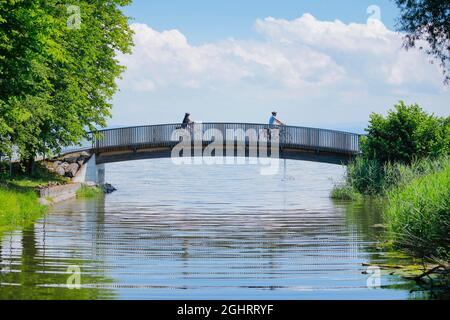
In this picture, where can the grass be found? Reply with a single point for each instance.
(89, 192)
(17, 209)
(41, 176)
(418, 215)
(19, 203)
(345, 192)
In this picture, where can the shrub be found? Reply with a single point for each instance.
(407, 133)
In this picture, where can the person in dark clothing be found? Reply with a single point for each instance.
(186, 121)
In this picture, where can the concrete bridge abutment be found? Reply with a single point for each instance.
(91, 172)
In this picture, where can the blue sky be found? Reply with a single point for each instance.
(318, 63)
(211, 20)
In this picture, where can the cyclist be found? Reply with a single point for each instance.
(273, 119)
(273, 123)
(186, 121)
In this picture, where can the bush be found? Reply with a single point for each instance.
(418, 215)
(407, 133)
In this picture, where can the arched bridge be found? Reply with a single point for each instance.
(228, 139)
(157, 141)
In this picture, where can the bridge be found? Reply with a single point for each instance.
(228, 139)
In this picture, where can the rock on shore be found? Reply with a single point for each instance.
(108, 188)
(69, 165)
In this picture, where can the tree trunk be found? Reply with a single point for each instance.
(29, 166)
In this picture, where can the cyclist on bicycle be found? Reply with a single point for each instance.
(186, 121)
(273, 119)
(273, 123)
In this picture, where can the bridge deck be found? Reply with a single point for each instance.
(155, 141)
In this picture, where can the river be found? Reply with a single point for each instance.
(204, 232)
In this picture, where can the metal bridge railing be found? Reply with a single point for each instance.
(290, 136)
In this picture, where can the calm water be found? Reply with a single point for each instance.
(195, 232)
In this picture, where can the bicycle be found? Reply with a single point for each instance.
(284, 135)
(191, 130)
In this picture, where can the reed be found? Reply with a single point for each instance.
(418, 215)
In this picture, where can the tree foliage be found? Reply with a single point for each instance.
(56, 82)
(428, 20)
(406, 134)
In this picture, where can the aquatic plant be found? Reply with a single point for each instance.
(418, 215)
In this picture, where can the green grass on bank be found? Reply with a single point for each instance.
(345, 192)
(17, 208)
(418, 215)
(19, 203)
(40, 177)
(87, 192)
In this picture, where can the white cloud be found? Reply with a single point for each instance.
(328, 34)
(302, 60)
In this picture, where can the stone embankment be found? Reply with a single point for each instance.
(53, 194)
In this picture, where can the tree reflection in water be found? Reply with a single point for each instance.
(34, 268)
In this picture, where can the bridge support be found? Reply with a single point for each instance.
(100, 173)
(91, 172)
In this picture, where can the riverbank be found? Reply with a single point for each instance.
(24, 198)
(417, 201)
(416, 213)
(19, 201)
(18, 208)
(405, 160)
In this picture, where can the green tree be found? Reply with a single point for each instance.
(57, 77)
(427, 20)
(407, 133)
(26, 33)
